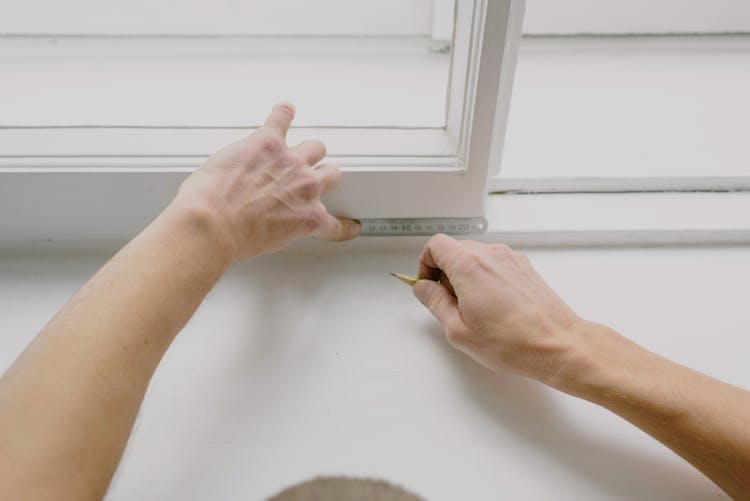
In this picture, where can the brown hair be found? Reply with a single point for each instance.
(345, 489)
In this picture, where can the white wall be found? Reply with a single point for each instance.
(629, 107)
(217, 17)
(317, 363)
(636, 16)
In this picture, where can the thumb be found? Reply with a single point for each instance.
(440, 302)
(339, 229)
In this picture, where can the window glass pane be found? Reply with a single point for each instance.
(222, 63)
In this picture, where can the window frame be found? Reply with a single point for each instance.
(108, 182)
(580, 210)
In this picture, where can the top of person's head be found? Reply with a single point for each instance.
(344, 489)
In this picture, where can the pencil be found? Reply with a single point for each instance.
(406, 278)
(443, 280)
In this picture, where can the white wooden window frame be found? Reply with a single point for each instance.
(107, 182)
(699, 195)
(109, 195)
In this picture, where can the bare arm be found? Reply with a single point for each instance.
(506, 317)
(68, 403)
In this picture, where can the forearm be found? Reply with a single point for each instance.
(68, 404)
(705, 421)
(500, 311)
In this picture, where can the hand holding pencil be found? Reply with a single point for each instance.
(495, 307)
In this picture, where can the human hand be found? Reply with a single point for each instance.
(497, 309)
(264, 195)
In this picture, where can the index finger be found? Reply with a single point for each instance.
(280, 118)
(437, 255)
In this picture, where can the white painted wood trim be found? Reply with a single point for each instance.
(24, 146)
(553, 220)
(591, 220)
(558, 220)
(116, 204)
(627, 211)
(443, 17)
(221, 81)
(108, 182)
(218, 17)
(490, 102)
(553, 17)
(501, 107)
(619, 185)
(462, 52)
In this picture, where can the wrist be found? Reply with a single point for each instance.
(204, 223)
(597, 359)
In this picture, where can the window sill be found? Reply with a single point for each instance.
(592, 219)
(553, 220)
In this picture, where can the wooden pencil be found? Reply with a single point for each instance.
(405, 278)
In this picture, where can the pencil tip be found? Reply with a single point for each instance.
(404, 278)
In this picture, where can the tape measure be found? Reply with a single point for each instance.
(426, 226)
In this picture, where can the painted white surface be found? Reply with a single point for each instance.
(442, 20)
(636, 16)
(629, 108)
(548, 220)
(310, 363)
(600, 212)
(359, 17)
(215, 82)
(217, 17)
(489, 33)
(133, 148)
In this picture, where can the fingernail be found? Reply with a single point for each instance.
(287, 105)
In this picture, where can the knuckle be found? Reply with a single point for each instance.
(270, 142)
(468, 259)
(474, 260)
(322, 150)
(335, 178)
(316, 217)
(521, 256)
(438, 243)
(439, 238)
(334, 173)
(472, 245)
(456, 337)
(308, 186)
(295, 159)
(502, 250)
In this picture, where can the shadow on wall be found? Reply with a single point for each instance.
(519, 405)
